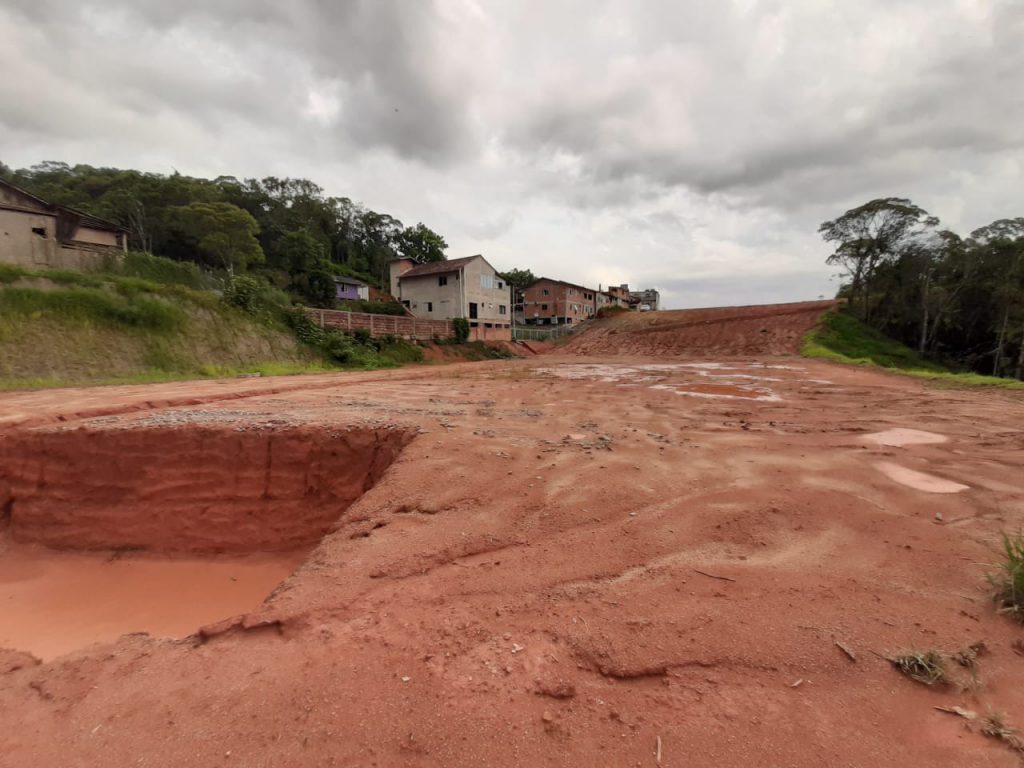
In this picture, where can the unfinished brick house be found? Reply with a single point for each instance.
(556, 302)
(615, 296)
(444, 290)
(35, 233)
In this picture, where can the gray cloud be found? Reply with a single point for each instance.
(683, 143)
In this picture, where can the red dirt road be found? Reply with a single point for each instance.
(574, 561)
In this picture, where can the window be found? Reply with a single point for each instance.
(501, 285)
(430, 306)
(544, 307)
(486, 281)
(546, 293)
(41, 231)
(501, 309)
(442, 280)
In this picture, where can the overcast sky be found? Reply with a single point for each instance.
(688, 145)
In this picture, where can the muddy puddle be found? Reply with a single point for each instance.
(52, 602)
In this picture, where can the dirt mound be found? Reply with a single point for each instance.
(768, 329)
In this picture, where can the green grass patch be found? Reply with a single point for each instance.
(843, 338)
(1007, 580)
(95, 305)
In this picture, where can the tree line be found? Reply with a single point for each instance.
(286, 231)
(956, 300)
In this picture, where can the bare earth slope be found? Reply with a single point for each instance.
(574, 561)
(772, 329)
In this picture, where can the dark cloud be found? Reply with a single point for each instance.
(380, 68)
(683, 142)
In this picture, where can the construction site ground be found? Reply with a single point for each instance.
(603, 556)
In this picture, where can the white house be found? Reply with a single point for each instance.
(444, 290)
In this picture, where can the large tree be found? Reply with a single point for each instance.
(223, 233)
(1003, 243)
(421, 244)
(871, 234)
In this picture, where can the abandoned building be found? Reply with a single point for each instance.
(444, 290)
(35, 233)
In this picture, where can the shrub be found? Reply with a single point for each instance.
(1008, 580)
(373, 307)
(243, 292)
(304, 328)
(460, 330)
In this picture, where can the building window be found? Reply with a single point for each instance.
(487, 281)
(544, 307)
(430, 306)
(41, 231)
(501, 309)
(501, 285)
(442, 280)
(545, 292)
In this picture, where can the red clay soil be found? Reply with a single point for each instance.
(580, 561)
(774, 329)
(187, 489)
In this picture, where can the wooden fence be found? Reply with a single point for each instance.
(382, 325)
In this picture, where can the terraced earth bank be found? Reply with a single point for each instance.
(692, 559)
(774, 329)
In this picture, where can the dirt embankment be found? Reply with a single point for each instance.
(195, 489)
(770, 329)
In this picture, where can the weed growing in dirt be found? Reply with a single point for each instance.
(925, 667)
(1008, 579)
(994, 726)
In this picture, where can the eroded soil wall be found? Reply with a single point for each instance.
(208, 489)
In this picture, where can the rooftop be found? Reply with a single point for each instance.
(438, 267)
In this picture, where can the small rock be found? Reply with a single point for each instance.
(938, 516)
(406, 678)
(547, 717)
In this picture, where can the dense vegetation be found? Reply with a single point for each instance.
(285, 232)
(843, 338)
(957, 301)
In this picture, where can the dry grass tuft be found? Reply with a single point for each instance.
(925, 667)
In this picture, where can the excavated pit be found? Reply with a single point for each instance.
(106, 532)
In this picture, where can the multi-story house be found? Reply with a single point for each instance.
(556, 302)
(444, 290)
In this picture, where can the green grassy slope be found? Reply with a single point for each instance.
(845, 339)
(70, 328)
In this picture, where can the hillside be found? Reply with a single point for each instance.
(842, 338)
(772, 329)
(60, 327)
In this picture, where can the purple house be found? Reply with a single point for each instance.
(350, 289)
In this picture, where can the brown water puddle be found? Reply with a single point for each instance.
(52, 602)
